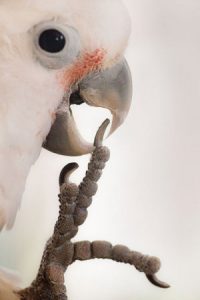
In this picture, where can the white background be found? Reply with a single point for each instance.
(149, 196)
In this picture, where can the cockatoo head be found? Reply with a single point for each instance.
(54, 54)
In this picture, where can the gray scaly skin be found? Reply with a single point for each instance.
(61, 252)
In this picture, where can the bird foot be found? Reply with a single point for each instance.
(61, 252)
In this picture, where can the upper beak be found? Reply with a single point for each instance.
(111, 89)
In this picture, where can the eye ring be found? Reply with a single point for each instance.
(55, 45)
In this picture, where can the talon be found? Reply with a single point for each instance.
(66, 172)
(155, 281)
(100, 133)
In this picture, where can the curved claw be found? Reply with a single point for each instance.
(155, 281)
(66, 172)
(100, 133)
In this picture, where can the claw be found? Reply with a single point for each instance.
(155, 281)
(66, 172)
(100, 133)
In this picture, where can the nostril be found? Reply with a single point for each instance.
(76, 98)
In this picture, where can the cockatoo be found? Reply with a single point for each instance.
(54, 54)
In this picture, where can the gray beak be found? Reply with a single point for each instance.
(110, 89)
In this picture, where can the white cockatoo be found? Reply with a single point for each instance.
(54, 54)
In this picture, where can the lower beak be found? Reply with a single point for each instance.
(110, 89)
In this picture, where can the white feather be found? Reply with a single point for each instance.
(101, 24)
(10, 276)
(29, 93)
(9, 283)
(29, 96)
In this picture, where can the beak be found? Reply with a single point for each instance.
(110, 89)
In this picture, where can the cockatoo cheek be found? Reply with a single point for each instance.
(86, 63)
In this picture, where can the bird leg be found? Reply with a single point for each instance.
(60, 252)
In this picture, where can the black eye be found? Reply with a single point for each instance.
(55, 45)
(52, 41)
